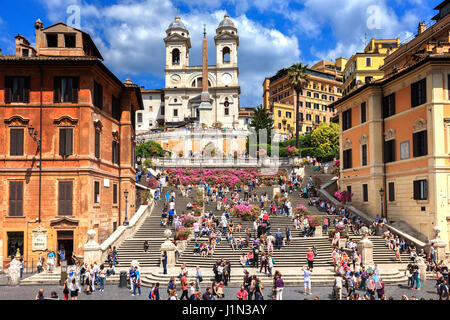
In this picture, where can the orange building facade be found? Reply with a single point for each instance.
(66, 145)
(395, 135)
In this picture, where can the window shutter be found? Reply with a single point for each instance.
(19, 199)
(391, 191)
(8, 89)
(75, 88)
(16, 142)
(97, 144)
(62, 142)
(416, 190)
(26, 90)
(69, 142)
(12, 198)
(424, 143)
(61, 198)
(69, 197)
(57, 90)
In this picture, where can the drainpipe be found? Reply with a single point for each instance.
(120, 181)
(384, 206)
(40, 145)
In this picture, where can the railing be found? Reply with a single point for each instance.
(364, 217)
(223, 162)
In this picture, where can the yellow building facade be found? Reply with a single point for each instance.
(365, 67)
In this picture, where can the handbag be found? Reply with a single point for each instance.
(200, 279)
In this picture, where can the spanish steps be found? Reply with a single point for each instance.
(290, 255)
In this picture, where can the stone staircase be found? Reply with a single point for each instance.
(289, 256)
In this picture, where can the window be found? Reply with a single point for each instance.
(25, 52)
(65, 89)
(175, 112)
(16, 198)
(116, 108)
(52, 40)
(97, 144)
(16, 142)
(288, 115)
(389, 151)
(301, 116)
(96, 192)
(98, 95)
(139, 117)
(15, 241)
(163, 110)
(324, 108)
(324, 119)
(365, 193)
(389, 105)
(331, 98)
(391, 191)
(114, 193)
(349, 190)
(227, 111)
(308, 129)
(316, 106)
(65, 142)
(363, 112)
(324, 97)
(17, 89)
(308, 105)
(70, 40)
(115, 152)
(308, 117)
(368, 79)
(316, 95)
(65, 190)
(364, 155)
(420, 190)
(175, 56)
(317, 119)
(279, 113)
(279, 125)
(368, 62)
(420, 144)
(347, 159)
(308, 93)
(418, 93)
(226, 55)
(347, 119)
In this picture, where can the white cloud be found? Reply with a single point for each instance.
(350, 22)
(130, 37)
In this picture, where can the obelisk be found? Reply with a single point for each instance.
(205, 108)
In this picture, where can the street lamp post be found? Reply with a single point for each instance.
(33, 134)
(125, 222)
(381, 196)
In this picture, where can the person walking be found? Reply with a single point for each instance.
(184, 287)
(279, 285)
(310, 258)
(102, 278)
(338, 286)
(270, 264)
(307, 279)
(137, 281)
(198, 278)
(74, 289)
(164, 261)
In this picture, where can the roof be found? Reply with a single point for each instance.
(226, 22)
(152, 90)
(86, 38)
(8, 59)
(177, 23)
(433, 57)
(442, 4)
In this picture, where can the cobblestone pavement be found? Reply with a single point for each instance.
(113, 292)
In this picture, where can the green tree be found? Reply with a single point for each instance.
(298, 79)
(262, 119)
(325, 140)
(149, 149)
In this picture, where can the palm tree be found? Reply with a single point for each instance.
(298, 79)
(262, 119)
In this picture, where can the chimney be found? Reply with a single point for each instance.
(422, 27)
(38, 26)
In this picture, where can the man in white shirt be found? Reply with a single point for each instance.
(338, 286)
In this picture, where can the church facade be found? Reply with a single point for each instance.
(185, 83)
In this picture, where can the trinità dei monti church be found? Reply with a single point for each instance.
(199, 97)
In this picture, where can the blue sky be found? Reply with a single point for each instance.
(273, 33)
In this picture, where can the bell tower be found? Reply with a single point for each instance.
(178, 44)
(227, 42)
